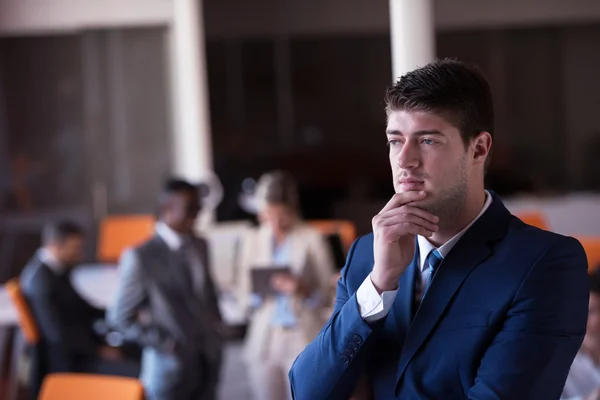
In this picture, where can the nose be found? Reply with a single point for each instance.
(408, 157)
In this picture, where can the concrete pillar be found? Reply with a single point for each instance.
(191, 141)
(412, 33)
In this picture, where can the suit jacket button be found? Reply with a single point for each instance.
(353, 345)
(357, 339)
(345, 359)
(349, 353)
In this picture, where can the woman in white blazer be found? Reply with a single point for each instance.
(281, 325)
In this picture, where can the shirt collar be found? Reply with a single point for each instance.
(425, 246)
(48, 259)
(174, 240)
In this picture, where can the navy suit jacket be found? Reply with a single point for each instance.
(503, 319)
(64, 318)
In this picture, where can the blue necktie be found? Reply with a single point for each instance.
(433, 260)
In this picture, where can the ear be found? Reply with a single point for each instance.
(481, 146)
(164, 205)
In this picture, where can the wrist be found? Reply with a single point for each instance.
(383, 281)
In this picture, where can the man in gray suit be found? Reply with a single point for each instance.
(166, 301)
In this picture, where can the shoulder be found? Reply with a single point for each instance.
(539, 262)
(148, 247)
(359, 261)
(536, 243)
(36, 277)
(201, 243)
(363, 246)
(307, 232)
(133, 256)
(251, 236)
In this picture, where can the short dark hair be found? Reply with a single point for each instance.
(594, 279)
(456, 90)
(59, 231)
(174, 186)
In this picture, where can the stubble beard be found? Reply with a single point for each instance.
(449, 201)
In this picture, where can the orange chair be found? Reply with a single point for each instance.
(90, 387)
(534, 218)
(591, 244)
(346, 229)
(119, 232)
(26, 322)
(31, 334)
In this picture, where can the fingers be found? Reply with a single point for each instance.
(400, 199)
(394, 232)
(410, 210)
(405, 220)
(410, 219)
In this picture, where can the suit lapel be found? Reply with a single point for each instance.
(264, 256)
(298, 252)
(162, 254)
(402, 309)
(200, 272)
(296, 248)
(167, 265)
(470, 251)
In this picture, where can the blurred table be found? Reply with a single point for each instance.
(8, 321)
(96, 283)
(8, 315)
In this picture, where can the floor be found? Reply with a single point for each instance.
(234, 384)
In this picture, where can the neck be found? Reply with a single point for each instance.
(52, 259)
(279, 236)
(176, 229)
(463, 216)
(591, 346)
(51, 252)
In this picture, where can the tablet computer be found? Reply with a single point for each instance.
(261, 278)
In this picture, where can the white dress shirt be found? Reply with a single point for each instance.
(373, 306)
(583, 379)
(46, 257)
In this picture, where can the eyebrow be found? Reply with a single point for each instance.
(417, 133)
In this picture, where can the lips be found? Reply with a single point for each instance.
(408, 184)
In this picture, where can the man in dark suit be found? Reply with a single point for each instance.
(65, 320)
(166, 301)
(450, 297)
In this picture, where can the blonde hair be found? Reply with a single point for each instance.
(277, 187)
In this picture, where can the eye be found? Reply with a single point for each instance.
(428, 142)
(393, 143)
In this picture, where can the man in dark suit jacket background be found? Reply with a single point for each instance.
(167, 302)
(65, 320)
(451, 297)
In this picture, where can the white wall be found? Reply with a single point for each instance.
(265, 17)
(18, 17)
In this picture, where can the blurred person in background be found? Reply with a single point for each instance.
(282, 324)
(166, 301)
(65, 320)
(583, 382)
